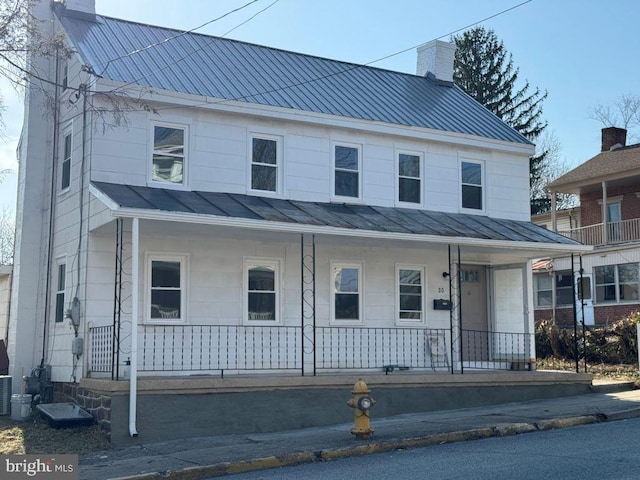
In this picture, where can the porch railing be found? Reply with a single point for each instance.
(496, 350)
(339, 348)
(617, 232)
(229, 349)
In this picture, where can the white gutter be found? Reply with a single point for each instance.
(133, 382)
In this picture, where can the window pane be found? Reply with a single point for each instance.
(628, 273)
(345, 279)
(67, 146)
(563, 279)
(262, 278)
(409, 190)
(346, 184)
(586, 285)
(410, 277)
(165, 274)
(263, 178)
(262, 306)
(411, 289)
(168, 140)
(544, 298)
(347, 306)
(346, 158)
(472, 197)
(605, 274)
(60, 307)
(167, 169)
(165, 303)
(411, 302)
(264, 151)
(564, 296)
(409, 165)
(472, 173)
(605, 293)
(543, 281)
(411, 315)
(62, 273)
(629, 292)
(66, 174)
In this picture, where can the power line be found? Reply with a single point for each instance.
(181, 34)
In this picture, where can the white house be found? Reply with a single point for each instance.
(207, 206)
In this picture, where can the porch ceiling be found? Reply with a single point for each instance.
(337, 219)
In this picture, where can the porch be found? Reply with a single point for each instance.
(610, 233)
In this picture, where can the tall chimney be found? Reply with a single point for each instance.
(84, 6)
(613, 137)
(436, 58)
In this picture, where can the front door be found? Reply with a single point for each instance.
(473, 303)
(584, 299)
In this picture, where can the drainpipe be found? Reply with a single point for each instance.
(133, 381)
(554, 218)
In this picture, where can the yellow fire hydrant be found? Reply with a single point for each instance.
(361, 404)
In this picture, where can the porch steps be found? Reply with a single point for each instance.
(612, 386)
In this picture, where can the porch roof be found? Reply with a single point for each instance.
(307, 217)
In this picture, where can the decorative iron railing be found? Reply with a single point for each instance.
(496, 350)
(340, 348)
(229, 349)
(617, 232)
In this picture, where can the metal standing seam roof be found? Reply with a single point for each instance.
(227, 69)
(357, 217)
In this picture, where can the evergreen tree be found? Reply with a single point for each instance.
(484, 69)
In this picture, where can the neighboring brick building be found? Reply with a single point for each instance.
(609, 188)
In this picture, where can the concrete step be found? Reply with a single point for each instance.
(612, 386)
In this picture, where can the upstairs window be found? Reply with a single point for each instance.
(65, 171)
(264, 164)
(346, 171)
(409, 179)
(168, 158)
(65, 76)
(471, 185)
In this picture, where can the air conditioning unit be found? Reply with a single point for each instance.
(5, 395)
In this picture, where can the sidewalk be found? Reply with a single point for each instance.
(219, 455)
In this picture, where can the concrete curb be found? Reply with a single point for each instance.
(500, 430)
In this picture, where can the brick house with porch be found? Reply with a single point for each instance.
(608, 218)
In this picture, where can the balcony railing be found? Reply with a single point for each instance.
(617, 232)
(231, 349)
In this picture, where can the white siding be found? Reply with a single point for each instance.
(219, 149)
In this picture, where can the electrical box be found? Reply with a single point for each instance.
(76, 346)
(441, 304)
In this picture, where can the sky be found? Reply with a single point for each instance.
(582, 52)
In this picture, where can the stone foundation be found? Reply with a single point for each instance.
(97, 404)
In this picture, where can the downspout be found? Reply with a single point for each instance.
(133, 382)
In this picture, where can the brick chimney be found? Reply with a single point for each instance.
(436, 58)
(613, 137)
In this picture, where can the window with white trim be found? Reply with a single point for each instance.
(167, 287)
(168, 157)
(61, 283)
(262, 284)
(471, 177)
(410, 293)
(65, 165)
(545, 284)
(65, 76)
(409, 178)
(617, 283)
(346, 288)
(346, 171)
(265, 162)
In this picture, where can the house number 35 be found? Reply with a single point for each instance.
(440, 290)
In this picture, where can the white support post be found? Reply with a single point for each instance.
(133, 382)
(605, 219)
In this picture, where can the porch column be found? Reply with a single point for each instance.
(133, 382)
(605, 236)
(554, 220)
